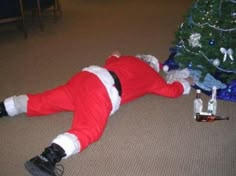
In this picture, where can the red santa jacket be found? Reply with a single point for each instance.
(138, 78)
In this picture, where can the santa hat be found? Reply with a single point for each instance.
(165, 68)
(151, 60)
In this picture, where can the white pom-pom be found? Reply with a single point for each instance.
(165, 68)
(216, 62)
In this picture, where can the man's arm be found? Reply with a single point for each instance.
(173, 88)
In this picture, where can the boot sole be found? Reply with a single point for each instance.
(34, 170)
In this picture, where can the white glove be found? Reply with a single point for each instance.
(180, 76)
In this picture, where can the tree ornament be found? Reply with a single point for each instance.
(229, 52)
(211, 42)
(229, 89)
(216, 62)
(194, 40)
(190, 65)
(233, 14)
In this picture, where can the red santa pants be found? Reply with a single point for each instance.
(85, 95)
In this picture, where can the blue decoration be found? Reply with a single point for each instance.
(229, 93)
(209, 81)
(190, 65)
(229, 89)
(171, 61)
(212, 42)
(190, 20)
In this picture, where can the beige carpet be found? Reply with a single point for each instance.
(153, 136)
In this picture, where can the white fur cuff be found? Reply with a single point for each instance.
(69, 142)
(186, 85)
(10, 106)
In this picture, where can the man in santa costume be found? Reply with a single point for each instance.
(92, 95)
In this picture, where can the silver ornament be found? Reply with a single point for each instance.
(194, 40)
(216, 62)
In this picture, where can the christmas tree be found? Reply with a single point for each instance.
(206, 44)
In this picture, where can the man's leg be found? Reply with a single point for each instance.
(92, 109)
(48, 102)
(3, 111)
(13, 105)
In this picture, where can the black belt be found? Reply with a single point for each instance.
(117, 82)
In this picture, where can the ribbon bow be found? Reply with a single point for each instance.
(227, 52)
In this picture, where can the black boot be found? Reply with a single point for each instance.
(3, 111)
(45, 164)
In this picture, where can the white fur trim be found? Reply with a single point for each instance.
(151, 60)
(165, 68)
(69, 142)
(10, 106)
(186, 85)
(21, 102)
(108, 82)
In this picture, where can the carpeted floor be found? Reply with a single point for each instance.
(153, 136)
